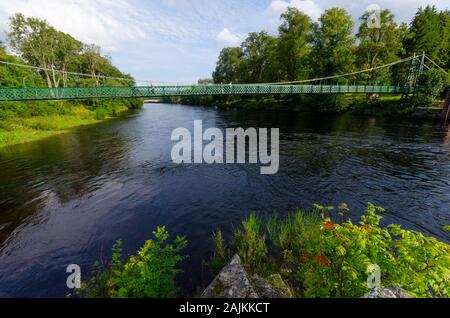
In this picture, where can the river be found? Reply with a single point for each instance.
(66, 199)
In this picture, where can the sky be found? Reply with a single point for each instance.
(179, 40)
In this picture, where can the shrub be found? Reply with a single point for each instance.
(101, 113)
(320, 257)
(151, 273)
(250, 243)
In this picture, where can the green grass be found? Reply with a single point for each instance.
(17, 130)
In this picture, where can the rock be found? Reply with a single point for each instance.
(231, 282)
(281, 286)
(273, 287)
(387, 292)
(264, 288)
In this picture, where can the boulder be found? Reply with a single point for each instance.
(231, 282)
(387, 292)
(272, 287)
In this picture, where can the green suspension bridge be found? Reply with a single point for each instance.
(410, 87)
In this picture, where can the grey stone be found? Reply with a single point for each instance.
(231, 282)
(387, 292)
(264, 288)
(272, 287)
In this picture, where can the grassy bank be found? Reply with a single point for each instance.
(25, 122)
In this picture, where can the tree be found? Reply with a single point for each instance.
(205, 81)
(444, 54)
(429, 33)
(94, 61)
(42, 45)
(379, 45)
(294, 44)
(333, 43)
(228, 65)
(15, 76)
(67, 52)
(258, 57)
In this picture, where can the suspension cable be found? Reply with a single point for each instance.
(347, 74)
(177, 83)
(435, 64)
(83, 74)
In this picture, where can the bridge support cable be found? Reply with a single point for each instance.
(347, 74)
(79, 74)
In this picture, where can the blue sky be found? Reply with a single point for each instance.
(179, 40)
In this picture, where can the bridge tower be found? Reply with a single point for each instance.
(415, 71)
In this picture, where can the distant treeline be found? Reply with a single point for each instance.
(304, 50)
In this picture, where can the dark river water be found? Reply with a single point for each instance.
(66, 199)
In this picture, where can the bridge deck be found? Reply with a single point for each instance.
(24, 94)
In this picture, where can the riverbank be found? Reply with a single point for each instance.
(380, 106)
(23, 123)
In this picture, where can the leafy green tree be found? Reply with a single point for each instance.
(444, 53)
(258, 57)
(333, 43)
(204, 81)
(429, 33)
(433, 85)
(42, 45)
(294, 44)
(228, 66)
(93, 62)
(379, 46)
(14, 76)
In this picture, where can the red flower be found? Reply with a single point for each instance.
(322, 259)
(339, 236)
(304, 258)
(329, 225)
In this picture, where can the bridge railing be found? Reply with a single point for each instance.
(18, 94)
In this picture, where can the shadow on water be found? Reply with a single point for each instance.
(66, 199)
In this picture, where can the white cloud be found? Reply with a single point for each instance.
(104, 22)
(177, 39)
(277, 7)
(227, 38)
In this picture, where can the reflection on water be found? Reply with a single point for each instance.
(66, 199)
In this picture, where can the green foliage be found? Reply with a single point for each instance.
(333, 43)
(14, 76)
(257, 64)
(305, 50)
(101, 113)
(44, 46)
(293, 44)
(430, 33)
(228, 66)
(151, 273)
(39, 44)
(323, 258)
(221, 255)
(379, 46)
(250, 243)
(434, 84)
